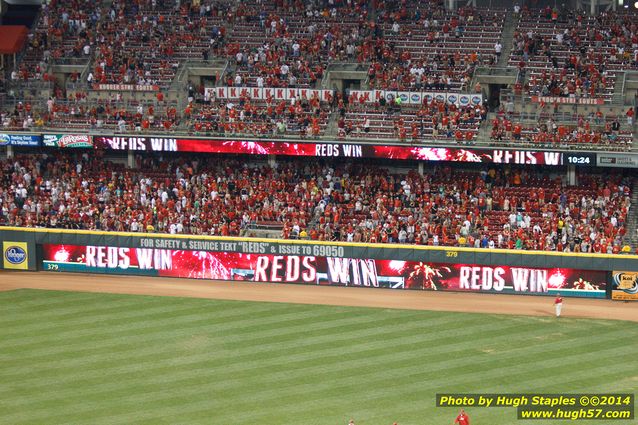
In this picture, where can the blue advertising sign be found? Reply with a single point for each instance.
(25, 140)
(20, 139)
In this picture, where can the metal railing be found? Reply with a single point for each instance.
(29, 85)
(220, 80)
(608, 101)
(71, 61)
(496, 70)
(568, 118)
(183, 128)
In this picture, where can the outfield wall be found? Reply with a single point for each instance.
(311, 262)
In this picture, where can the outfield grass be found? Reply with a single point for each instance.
(79, 358)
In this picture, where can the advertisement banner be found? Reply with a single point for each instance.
(440, 97)
(332, 150)
(362, 96)
(620, 160)
(67, 140)
(15, 255)
(404, 95)
(465, 99)
(268, 92)
(624, 286)
(414, 97)
(31, 140)
(476, 99)
(125, 87)
(320, 270)
(567, 100)
(453, 98)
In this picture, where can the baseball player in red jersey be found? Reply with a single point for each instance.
(558, 304)
(462, 419)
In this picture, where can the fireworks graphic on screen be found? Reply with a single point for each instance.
(432, 154)
(424, 276)
(61, 255)
(556, 280)
(254, 148)
(201, 265)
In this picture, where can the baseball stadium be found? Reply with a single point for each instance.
(349, 212)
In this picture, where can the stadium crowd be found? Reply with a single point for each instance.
(274, 44)
(66, 30)
(587, 132)
(492, 207)
(277, 44)
(566, 53)
(79, 114)
(431, 120)
(302, 117)
(291, 43)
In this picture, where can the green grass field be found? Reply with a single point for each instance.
(79, 358)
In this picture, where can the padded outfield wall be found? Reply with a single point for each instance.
(314, 263)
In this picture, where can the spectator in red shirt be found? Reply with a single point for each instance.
(462, 418)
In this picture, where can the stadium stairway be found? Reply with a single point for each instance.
(619, 88)
(509, 26)
(485, 130)
(332, 128)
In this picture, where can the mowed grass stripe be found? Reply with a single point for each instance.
(194, 392)
(171, 319)
(125, 344)
(76, 310)
(409, 384)
(179, 383)
(242, 363)
(86, 310)
(324, 323)
(552, 379)
(153, 353)
(167, 341)
(60, 395)
(259, 311)
(181, 386)
(65, 309)
(17, 300)
(177, 326)
(154, 332)
(82, 322)
(374, 378)
(191, 401)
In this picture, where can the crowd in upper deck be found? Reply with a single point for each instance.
(491, 207)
